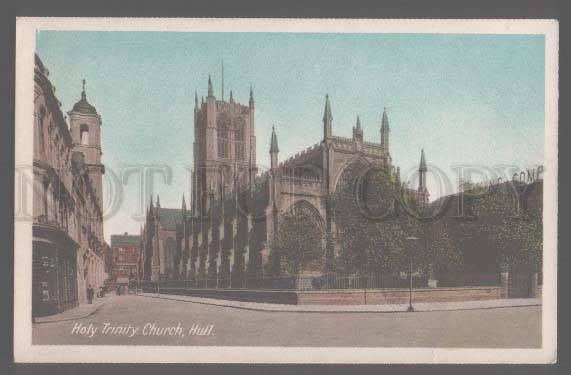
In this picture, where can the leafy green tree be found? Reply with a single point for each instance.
(374, 226)
(520, 240)
(515, 234)
(440, 252)
(297, 245)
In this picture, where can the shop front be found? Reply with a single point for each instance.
(54, 282)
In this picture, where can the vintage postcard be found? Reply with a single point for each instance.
(286, 191)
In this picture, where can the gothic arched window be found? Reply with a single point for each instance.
(239, 140)
(223, 146)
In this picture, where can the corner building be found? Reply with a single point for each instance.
(68, 244)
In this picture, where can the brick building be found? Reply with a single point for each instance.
(127, 259)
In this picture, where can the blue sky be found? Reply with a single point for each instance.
(465, 99)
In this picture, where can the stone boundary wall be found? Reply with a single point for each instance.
(264, 296)
(398, 296)
(345, 297)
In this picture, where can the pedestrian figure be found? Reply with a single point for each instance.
(90, 293)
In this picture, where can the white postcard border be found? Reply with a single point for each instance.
(24, 351)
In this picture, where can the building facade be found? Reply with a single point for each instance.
(234, 214)
(161, 240)
(127, 257)
(68, 243)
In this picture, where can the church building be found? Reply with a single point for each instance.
(225, 236)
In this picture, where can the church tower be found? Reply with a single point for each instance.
(85, 124)
(224, 147)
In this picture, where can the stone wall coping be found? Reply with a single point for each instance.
(328, 291)
(415, 290)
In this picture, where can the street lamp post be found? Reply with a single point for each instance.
(411, 240)
(365, 290)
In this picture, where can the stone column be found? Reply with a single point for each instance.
(329, 234)
(96, 284)
(209, 247)
(91, 270)
(99, 276)
(96, 264)
(264, 254)
(232, 250)
(248, 253)
(504, 282)
(534, 277)
(100, 273)
(432, 282)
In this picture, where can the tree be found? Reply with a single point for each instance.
(516, 234)
(440, 251)
(520, 240)
(374, 224)
(297, 245)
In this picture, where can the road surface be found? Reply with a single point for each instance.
(136, 320)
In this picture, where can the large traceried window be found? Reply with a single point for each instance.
(223, 146)
(239, 140)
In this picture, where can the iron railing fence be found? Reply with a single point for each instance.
(326, 282)
(458, 279)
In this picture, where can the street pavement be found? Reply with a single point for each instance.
(385, 308)
(136, 320)
(82, 311)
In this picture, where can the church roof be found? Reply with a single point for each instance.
(83, 106)
(170, 217)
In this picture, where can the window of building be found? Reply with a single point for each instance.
(223, 141)
(40, 131)
(84, 134)
(239, 144)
